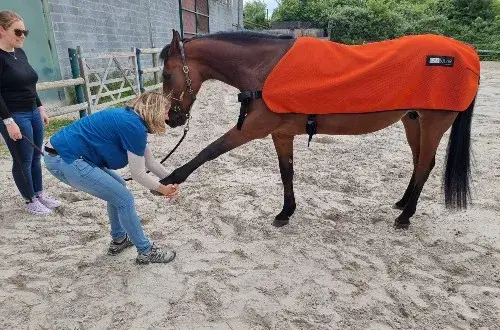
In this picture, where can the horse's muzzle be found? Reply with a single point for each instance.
(176, 119)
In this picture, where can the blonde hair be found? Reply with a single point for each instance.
(7, 18)
(151, 107)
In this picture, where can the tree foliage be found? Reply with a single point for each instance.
(357, 21)
(254, 15)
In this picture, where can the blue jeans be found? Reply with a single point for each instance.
(105, 184)
(26, 169)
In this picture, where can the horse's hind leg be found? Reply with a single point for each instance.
(433, 124)
(411, 123)
(284, 149)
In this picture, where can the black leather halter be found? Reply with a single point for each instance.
(187, 86)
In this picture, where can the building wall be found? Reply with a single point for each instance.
(38, 46)
(119, 25)
(225, 15)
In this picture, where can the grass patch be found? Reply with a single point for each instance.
(55, 125)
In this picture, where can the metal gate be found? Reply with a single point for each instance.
(110, 78)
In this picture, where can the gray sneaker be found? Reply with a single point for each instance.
(115, 248)
(156, 255)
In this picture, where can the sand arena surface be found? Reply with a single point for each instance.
(339, 264)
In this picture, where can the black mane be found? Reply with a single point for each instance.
(238, 37)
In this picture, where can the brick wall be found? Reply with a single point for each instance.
(119, 25)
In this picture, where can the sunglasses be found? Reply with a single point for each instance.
(19, 32)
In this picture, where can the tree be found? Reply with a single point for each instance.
(350, 24)
(358, 21)
(475, 21)
(421, 17)
(466, 11)
(496, 9)
(254, 15)
(289, 10)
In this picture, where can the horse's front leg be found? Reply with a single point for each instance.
(259, 123)
(284, 149)
(228, 141)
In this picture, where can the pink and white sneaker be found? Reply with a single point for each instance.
(37, 208)
(48, 201)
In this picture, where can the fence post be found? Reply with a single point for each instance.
(155, 64)
(75, 71)
(139, 69)
(83, 69)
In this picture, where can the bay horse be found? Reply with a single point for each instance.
(245, 60)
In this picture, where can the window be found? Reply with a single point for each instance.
(194, 17)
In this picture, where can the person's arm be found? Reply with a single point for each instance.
(43, 112)
(4, 111)
(153, 165)
(10, 124)
(40, 106)
(137, 166)
(38, 102)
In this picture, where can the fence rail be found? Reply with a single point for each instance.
(59, 84)
(488, 54)
(59, 111)
(489, 51)
(77, 82)
(153, 87)
(99, 87)
(151, 50)
(151, 70)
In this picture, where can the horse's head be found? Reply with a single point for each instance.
(180, 83)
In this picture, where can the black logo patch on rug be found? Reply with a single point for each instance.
(436, 60)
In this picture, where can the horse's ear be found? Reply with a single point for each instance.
(174, 45)
(176, 35)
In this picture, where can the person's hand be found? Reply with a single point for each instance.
(43, 113)
(169, 191)
(14, 132)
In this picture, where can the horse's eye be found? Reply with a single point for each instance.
(166, 76)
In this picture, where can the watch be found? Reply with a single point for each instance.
(8, 121)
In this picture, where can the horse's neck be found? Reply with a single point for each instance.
(244, 67)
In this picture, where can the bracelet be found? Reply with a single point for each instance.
(8, 121)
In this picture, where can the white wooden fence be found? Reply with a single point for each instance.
(106, 79)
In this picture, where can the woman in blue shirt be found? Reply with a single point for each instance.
(85, 153)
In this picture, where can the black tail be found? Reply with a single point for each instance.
(458, 161)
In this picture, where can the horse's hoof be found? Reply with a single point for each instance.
(398, 206)
(280, 222)
(401, 225)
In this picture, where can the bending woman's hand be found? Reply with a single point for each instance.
(169, 191)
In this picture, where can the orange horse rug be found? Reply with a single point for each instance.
(409, 73)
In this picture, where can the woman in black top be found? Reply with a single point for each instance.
(22, 114)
